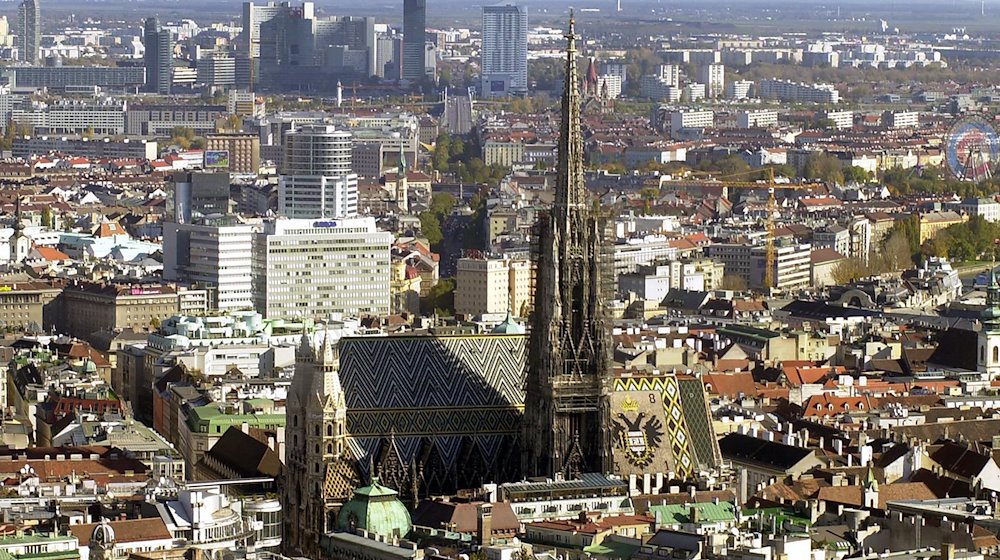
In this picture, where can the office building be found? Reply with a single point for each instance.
(158, 58)
(216, 71)
(253, 16)
(200, 193)
(242, 152)
(100, 115)
(749, 262)
(317, 180)
(316, 269)
(493, 285)
(505, 50)
(245, 104)
(161, 119)
(714, 78)
(215, 252)
(29, 31)
(414, 38)
(302, 52)
(129, 78)
(127, 148)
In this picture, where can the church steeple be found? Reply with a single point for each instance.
(568, 356)
(570, 190)
(989, 333)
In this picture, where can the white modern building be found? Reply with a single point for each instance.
(756, 118)
(691, 119)
(316, 178)
(714, 78)
(900, 119)
(987, 208)
(216, 252)
(739, 89)
(841, 119)
(671, 73)
(321, 269)
(609, 85)
(784, 90)
(505, 50)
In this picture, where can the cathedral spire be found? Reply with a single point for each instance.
(568, 352)
(569, 186)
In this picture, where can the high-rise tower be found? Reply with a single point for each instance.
(29, 31)
(569, 352)
(414, 67)
(158, 58)
(505, 50)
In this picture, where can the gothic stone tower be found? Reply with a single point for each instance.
(320, 473)
(569, 349)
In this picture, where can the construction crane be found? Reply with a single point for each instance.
(727, 182)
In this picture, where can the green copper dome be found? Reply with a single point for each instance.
(375, 509)
(508, 326)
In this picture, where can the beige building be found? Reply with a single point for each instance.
(91, 307)
(933, 222)
(493, 285)
(244, 150)
(505, 154)
(24, 304)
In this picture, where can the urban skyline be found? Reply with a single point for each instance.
(624, 281)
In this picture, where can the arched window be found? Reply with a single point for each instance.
(329, 449)
(996, 354)
(317, 449)
(329, 430)
(316, 430)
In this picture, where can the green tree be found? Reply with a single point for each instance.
(442, 203)
(440, 298)
(825, 167)
(430, 226)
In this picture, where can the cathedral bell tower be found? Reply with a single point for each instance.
(569, 349)
(988, 358)
(317, 450)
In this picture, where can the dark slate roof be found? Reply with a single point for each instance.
(247, 456)
(981, 431)
(956, 348)
(890, 455)
(942, 486)
(748, 449)
(822, 310)
(959, 459)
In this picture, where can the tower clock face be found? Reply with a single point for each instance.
(99, 537)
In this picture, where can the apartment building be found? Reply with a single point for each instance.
(494, 285)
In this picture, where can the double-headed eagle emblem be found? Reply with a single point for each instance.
(638, 440)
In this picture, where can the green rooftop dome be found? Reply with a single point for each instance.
(508, 326)
(375, 509)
